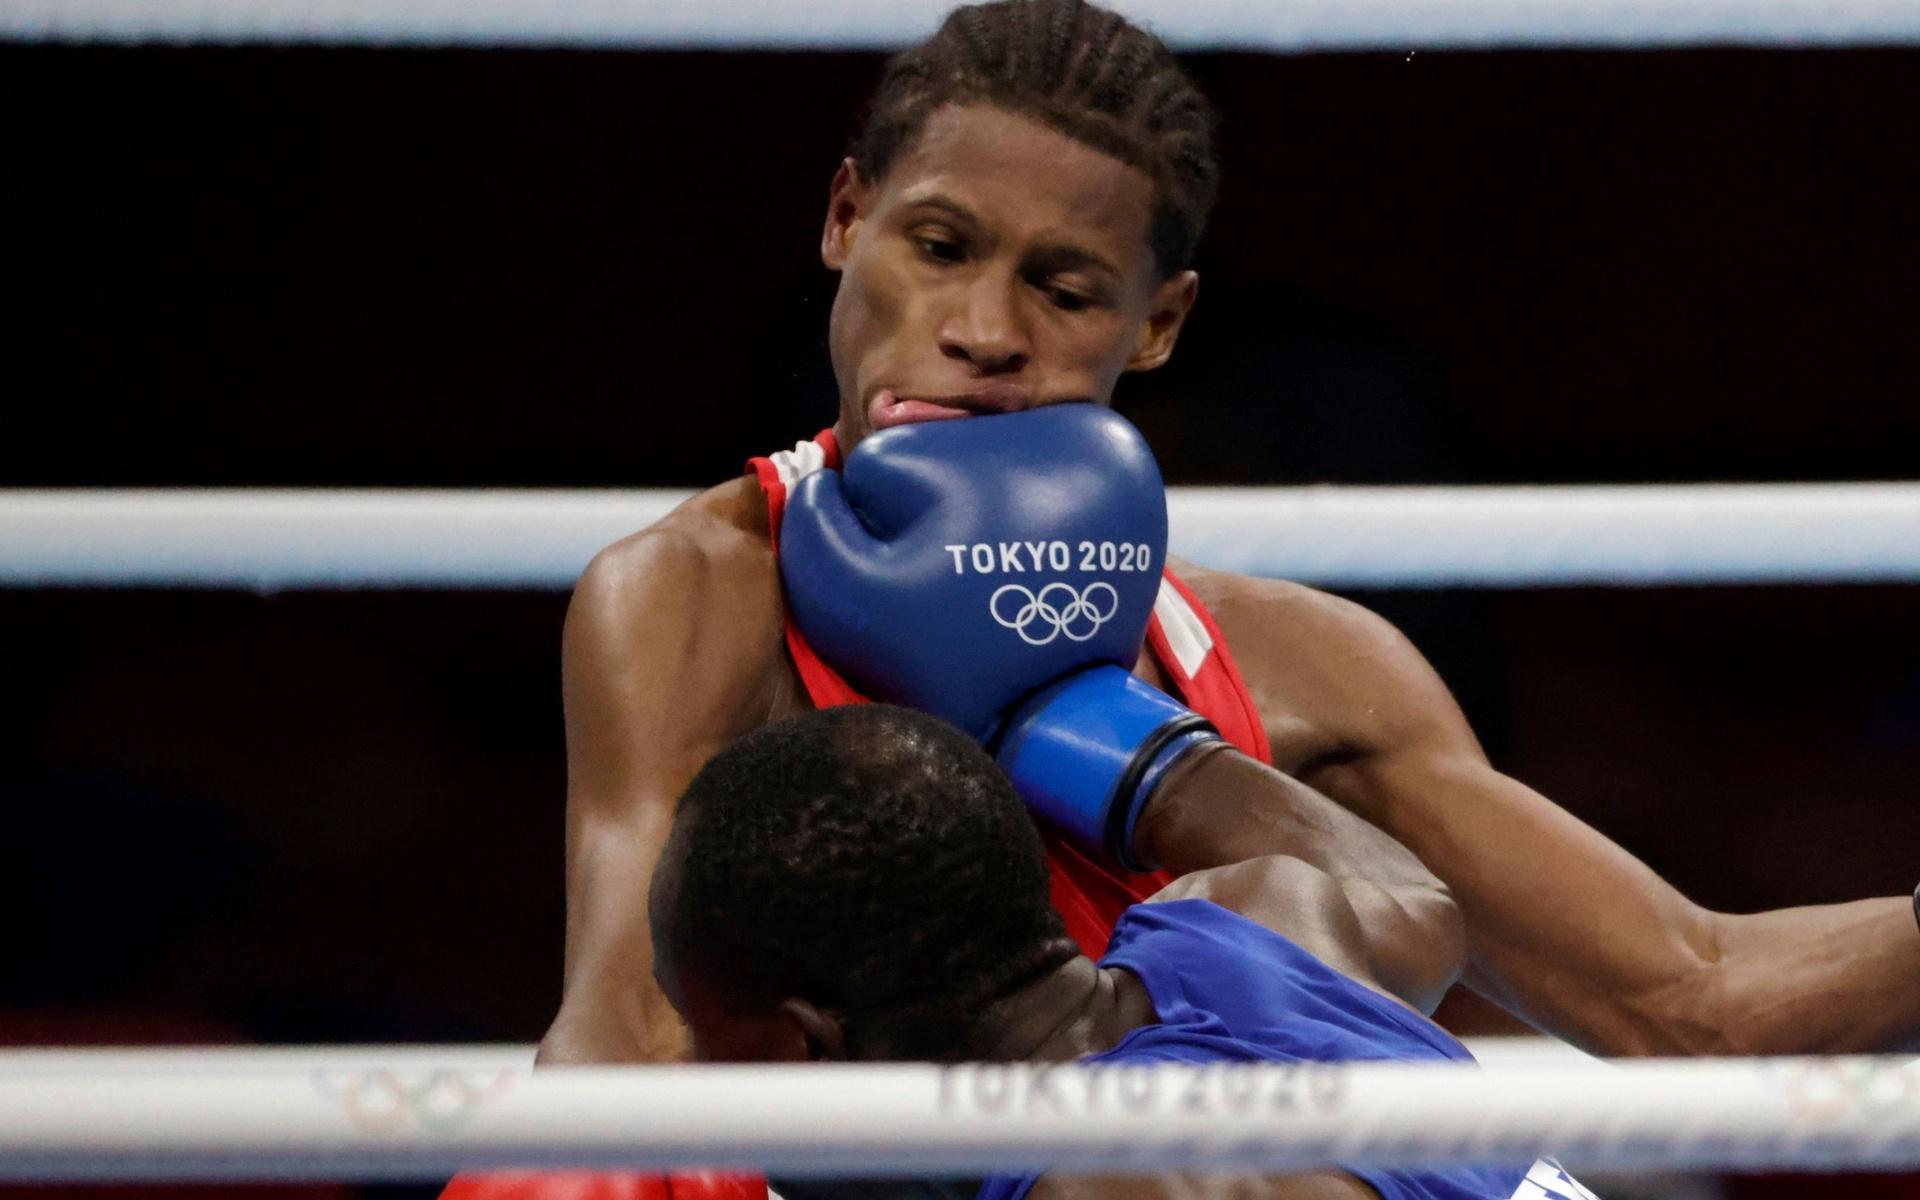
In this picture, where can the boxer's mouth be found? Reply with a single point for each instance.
(889, 408)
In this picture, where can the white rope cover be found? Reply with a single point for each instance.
(410, 1120)
(1530, 1050)
(869, 24)
(1334, 536)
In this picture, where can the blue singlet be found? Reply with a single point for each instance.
(1229, 990)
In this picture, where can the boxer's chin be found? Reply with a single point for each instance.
(888, 410)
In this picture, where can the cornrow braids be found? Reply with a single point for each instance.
(1079, 69)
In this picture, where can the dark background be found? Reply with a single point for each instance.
(337, 817)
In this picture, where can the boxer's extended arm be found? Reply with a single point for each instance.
(1564, 927)
(664, 661)
(1573, 933)
(1409, 934)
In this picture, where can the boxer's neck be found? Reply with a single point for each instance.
(1075, 1010)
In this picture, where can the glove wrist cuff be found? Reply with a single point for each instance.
(1087, 753)
(1168, 745)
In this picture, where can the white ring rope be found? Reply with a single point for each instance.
(1530, 1050)
(875, 24)
(412, 1120)
(1335, 536)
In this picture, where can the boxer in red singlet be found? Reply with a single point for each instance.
(1013, 230)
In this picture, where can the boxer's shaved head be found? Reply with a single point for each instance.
(1075, 68)
(870, 861)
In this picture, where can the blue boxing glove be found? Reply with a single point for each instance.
(999, 572)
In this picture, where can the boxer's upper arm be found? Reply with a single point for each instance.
(663, 660)
(1564, 927)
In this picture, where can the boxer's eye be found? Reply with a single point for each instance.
(1064, 292)
(940, 249)
(1068, 300)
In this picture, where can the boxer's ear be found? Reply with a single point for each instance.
(1172, 301)
(824, 1033)
(847, 200)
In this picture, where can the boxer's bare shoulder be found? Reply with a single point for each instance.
(1332, 680)
(725, 526)
(689, 607)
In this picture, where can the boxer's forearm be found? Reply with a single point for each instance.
(614, 1028)
(1571, 932)
(1835, 979)
(1225, 808)
(611, 1010)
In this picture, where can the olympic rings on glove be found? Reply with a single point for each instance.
(1058, 610)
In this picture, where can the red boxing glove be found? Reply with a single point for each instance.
(605, 1185)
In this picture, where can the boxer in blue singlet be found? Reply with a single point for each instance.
(863, 884)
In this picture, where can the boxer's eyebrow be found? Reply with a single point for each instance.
(1047, 256)
(951, 207)
(1065, 256)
